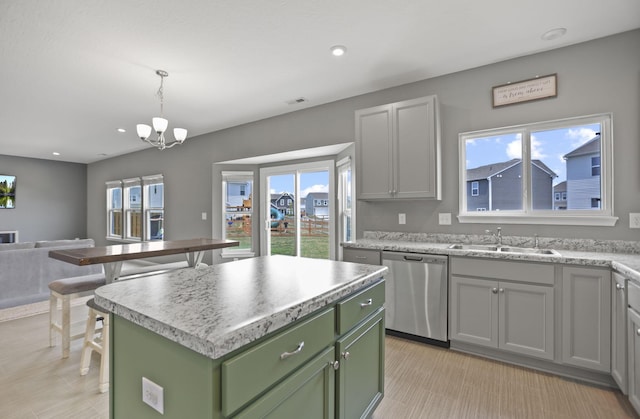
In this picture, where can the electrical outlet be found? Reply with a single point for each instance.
(634, 220)
(153, 395)
(444, 218)
(204, 215)
(402, 218)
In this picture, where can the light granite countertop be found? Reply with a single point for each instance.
(627, 264)
(217, 309)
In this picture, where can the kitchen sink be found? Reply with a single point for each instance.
(504, 249)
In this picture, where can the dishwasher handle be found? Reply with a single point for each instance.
(413, 258)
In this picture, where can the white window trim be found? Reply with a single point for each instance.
(115, 184)
(603, 217)
(341, 165)
(230, 252)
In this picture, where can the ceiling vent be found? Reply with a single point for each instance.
(297, 101)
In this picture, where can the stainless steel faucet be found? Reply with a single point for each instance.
(498, 235)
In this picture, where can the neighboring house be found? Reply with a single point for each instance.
(498, 186)
(560, 196)
(283, 202)
(583, 176)
(317, 204)
(238, 194)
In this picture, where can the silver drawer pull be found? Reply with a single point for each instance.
(494, 290)
(361, 257)
(286, 355)
(367, 303)
(619, 287)
(638, 332)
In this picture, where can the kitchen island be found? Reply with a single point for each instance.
(264, 337)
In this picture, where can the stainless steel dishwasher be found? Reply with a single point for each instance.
(416, 296)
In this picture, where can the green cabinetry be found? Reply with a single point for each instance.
(327, 365)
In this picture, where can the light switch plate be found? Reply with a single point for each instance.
(204, 215)
(444, 218)
(634, 220)
(402, 218)
(153, 395)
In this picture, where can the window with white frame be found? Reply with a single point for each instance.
(114, 210)
(237, 212)
(511, 173)
(153, 205)
(135, 209)
(346, 203)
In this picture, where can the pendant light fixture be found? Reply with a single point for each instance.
(160, 124)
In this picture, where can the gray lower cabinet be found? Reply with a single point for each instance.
(633, 367)
(510, 316)
(586, 318)
(370, 257)
(619, 331)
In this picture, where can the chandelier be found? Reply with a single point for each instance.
(160, 124)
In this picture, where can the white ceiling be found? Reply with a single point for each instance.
(73, 71)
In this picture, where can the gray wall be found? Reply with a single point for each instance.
(51, 200)
(594, 77)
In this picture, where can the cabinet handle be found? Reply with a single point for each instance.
(335, 365)
(346, 355)
(367, 303)
(619, 287)
(361, 257)
(638, 332)
(286, 355)
(494, 290)
(502, 290)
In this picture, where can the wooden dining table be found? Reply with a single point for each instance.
(112, 256)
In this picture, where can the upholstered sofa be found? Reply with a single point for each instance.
(26, 270)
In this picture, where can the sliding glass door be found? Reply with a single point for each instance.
(297, 207)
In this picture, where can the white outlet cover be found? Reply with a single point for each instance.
(634, 220)
(402, 218)
(204, 215)
(153, 395)
(444, 218)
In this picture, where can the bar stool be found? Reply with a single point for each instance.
(99, 342)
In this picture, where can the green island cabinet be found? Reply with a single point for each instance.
(329, 364)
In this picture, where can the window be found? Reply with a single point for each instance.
(237, 212)
(346, 212)
(595, 166)
(153, 207)
(475, 188)
(519, 167)
(114, 210)
(135, 209)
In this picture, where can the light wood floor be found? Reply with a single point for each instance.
(421, 382)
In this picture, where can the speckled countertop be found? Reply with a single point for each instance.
(217, 309)
(573, 252)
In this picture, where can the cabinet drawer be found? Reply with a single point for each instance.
(356, 308)
(371, 257)
(633, 295)
(537, 273)
(253, 371)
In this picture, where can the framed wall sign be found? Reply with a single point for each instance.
(526, 90)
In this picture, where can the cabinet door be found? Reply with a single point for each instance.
(416, 165)
(633, 334)
(619, 331)
(374, 153)
(311, 390)
(360, 382)
(474, 311)
(370, 257)
(586, 318)
(526, 319)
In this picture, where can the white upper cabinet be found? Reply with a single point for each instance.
(398, 150)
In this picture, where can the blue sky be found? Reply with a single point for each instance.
(548, 146)
(8, 179)
(309, 182)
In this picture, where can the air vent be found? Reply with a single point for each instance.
(297, 101)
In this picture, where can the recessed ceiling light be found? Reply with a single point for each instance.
(55, 153)
(552, 34)
(338, 50)
(122, 130)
